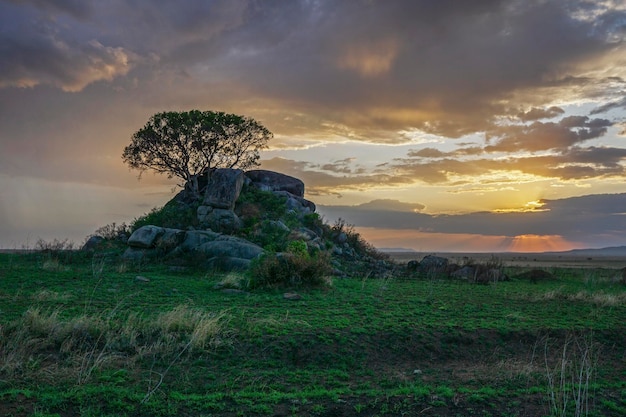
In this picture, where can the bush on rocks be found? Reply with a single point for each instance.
(290, 270)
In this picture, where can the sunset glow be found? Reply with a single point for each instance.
(486, 126)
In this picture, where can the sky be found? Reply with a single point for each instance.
(472, 126)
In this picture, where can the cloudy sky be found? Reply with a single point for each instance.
(435, 125)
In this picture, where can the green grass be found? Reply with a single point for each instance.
(83, 336)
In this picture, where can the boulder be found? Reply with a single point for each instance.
(296, 203)
(412, 265)
(195, 238)
(202, 212)
(170, 239)
(92, 243)
(230, 247)
(277, 225)
(223, 188)
(490, 275)
(341, 238)
(465, 273)
(139, 254)
(274, 181)
(302, 233)
(228, 264)
(431, 263)
(222, 221)
(145, 237)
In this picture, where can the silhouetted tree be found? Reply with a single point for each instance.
(187, 144)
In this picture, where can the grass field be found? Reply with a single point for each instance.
(91, 336)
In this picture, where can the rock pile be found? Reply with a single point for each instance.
(229, 233)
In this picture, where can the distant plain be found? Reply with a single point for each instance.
(530, 260)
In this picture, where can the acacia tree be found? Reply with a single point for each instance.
(188, 144)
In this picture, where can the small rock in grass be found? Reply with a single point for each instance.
(142, 278)
(232, 291)
(293, 296)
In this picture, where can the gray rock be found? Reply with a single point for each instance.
(145, 236)
(92, 243)
(465, 273)
(342, 237)
(223, 188)
(139, 254)
(232, 247)
(170, 239)
(202, 212)
(277, 225)
(274, 181)
(292, 296)
(296, 203)
(303, 234)
(233, 291)
(431, 263)
(412, 265)
(195, 238)
(223, 221)
(228, 264)
(317, 244)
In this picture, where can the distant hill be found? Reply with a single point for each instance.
(388, 250)
(610, 251)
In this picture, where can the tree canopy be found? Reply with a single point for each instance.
(187, 144)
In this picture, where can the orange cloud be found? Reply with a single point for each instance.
(370, 59)
(463, 242)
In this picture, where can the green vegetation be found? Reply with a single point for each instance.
(87, 335)
(173, 215)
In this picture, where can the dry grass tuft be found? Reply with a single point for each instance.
(599, 298)
(75, 348)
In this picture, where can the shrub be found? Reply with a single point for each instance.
(54, 247)
(356, 241)
(298, 248)
(172, 215)
(113, 231)
(268, 235)
(254, 203)
(55, 252)
(290, 270)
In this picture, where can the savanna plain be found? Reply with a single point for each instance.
(85, 334)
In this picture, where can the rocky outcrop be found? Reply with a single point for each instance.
(273, 219)
(223, 188)
(150, 242)
(221, 220)
(275, 181)
(220, 195)
(438, 266)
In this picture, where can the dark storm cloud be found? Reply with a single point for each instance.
(585, 218)
(442, 66)
(360, 70)
(391, 205)
(343, 166)
(320, 182)
(79, 9)
(446, 64)
(49, 53)
(570, 164)
(436, 153)
(618, 104)
(540, 136)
